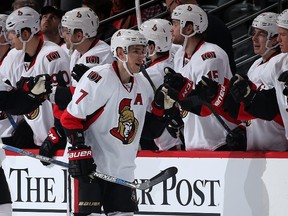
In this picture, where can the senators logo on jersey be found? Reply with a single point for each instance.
(94, 76)
(33, 115)
(208, 55)
(92, 59)
(127, 123)
(52, 56)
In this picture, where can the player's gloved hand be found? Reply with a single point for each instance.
(53, 142)
(178, 86)
(36, 86)
(175, 123)
(283, 78)
(207, 89)
(161, 101)
(62, 79)
(236, 139)
(240, 89)
(81, 162)
(78, 71)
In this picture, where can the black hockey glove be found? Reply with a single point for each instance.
(236, 139)
(161, 101)
(78, 71)
(62, 79)
(53, 142)
(81, 162)
(175, 122)
(283, 78)
(36, 87)
(240, 89)
(207, 89)
(178, 87)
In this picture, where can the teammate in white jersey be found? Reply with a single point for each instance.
(107, 114)
(197, 58)
(19, 102)
(262, 135)
(37, 57)
(79, 26)
(261, 104)
(159, 37)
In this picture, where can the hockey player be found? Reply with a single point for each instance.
(216, 33)
(110, 140)
(37, 57)
(266, 135)
(197, 58)
(262, 135)
(19, 101)
(159, 37)
(80, 28)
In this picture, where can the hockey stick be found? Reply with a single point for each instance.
(162, 176)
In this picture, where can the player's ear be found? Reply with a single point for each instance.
(25, 34)
(120, 53)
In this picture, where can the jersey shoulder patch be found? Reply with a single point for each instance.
(94, 76)
(53, 56)
(92, 59)
(208, 55)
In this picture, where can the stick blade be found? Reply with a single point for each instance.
(162, 176)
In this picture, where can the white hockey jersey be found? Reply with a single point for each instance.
(264, 135)
(50, 60)
(204, 133)
(99, 54)
(118, 114)
(273, 69)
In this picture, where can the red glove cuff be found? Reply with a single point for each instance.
(186, 90)
(79, 154)
(53, 135)
(157, 111)
(222, 92)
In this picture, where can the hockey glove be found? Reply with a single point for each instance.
(236, 139)
(207, 89)
(81, 162)
(175, 122)
(178, 86)
(240, 89)
(62, 79)
(53, 142)
(161, 101)
(284, 79)
(78, 71)
(35, 87)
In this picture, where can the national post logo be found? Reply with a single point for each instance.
(127, 123)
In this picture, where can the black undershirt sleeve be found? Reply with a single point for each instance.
(17, 102)
(264, 105)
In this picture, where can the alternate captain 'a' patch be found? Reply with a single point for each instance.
(208, 55)
(92, 59)
(52, 56)
(94, 76)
